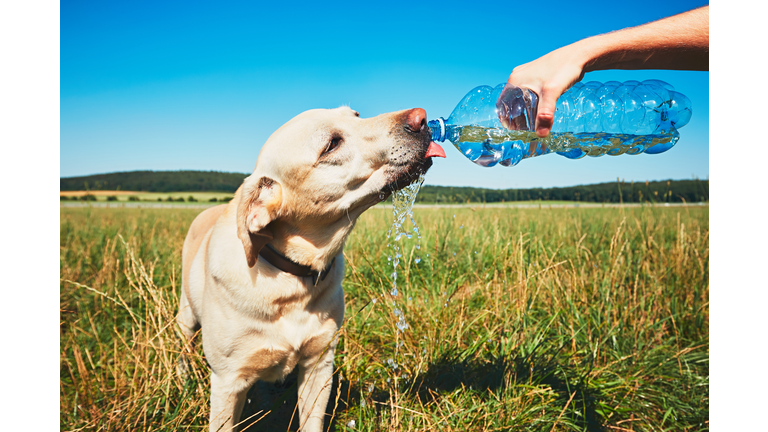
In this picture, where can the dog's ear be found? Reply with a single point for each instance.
(258, 205)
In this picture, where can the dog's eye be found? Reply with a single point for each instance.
(335, 142)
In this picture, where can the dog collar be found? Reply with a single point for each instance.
(285, 264)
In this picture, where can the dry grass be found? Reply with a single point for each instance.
(520, 319)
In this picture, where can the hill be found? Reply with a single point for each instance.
(156, 181)
(613, 192)
(214, 181)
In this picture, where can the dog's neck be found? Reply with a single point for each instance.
(287, 265)
(312, 248)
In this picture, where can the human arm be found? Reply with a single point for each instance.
(679, 42)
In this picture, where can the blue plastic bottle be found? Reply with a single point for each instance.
(590, 119)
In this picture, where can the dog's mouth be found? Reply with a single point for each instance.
(411, 153)
(402, 175)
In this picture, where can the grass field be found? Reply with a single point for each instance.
(586, 319)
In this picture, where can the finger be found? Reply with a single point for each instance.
(545, 116)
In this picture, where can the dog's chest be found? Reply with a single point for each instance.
(263, 327)
(297, 336)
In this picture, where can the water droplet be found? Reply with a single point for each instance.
(417, 260)
(402, 326)
(461, 227)
(418, 246)
(374, 301)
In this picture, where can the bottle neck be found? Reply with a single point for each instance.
(439, 131)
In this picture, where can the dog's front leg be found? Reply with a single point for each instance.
(227, 400)
(315, 379)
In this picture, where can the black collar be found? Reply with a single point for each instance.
(285, 264)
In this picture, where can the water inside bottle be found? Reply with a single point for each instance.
(489, 146)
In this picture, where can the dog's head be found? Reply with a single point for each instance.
(318, 172)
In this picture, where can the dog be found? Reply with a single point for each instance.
(261, 275)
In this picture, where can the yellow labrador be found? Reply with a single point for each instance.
(262, 274)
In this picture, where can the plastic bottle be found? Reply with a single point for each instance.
(590, 119)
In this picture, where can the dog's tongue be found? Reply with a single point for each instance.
(434, 150)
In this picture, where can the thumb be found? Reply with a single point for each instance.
(545, 115)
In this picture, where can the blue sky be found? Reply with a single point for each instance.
(198, 85)
(89, 90)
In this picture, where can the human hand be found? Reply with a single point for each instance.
(679, 42)
(549, 77)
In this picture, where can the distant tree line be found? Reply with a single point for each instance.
(613, 192)
(91, 197)
(213, 181)
(156, 181)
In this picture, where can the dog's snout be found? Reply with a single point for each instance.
(416, 120)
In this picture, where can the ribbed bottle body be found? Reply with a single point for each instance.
(591, 119)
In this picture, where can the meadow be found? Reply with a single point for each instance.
(520, 319)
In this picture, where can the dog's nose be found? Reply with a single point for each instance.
(416, 120)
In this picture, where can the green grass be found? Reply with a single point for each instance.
(584, 319)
